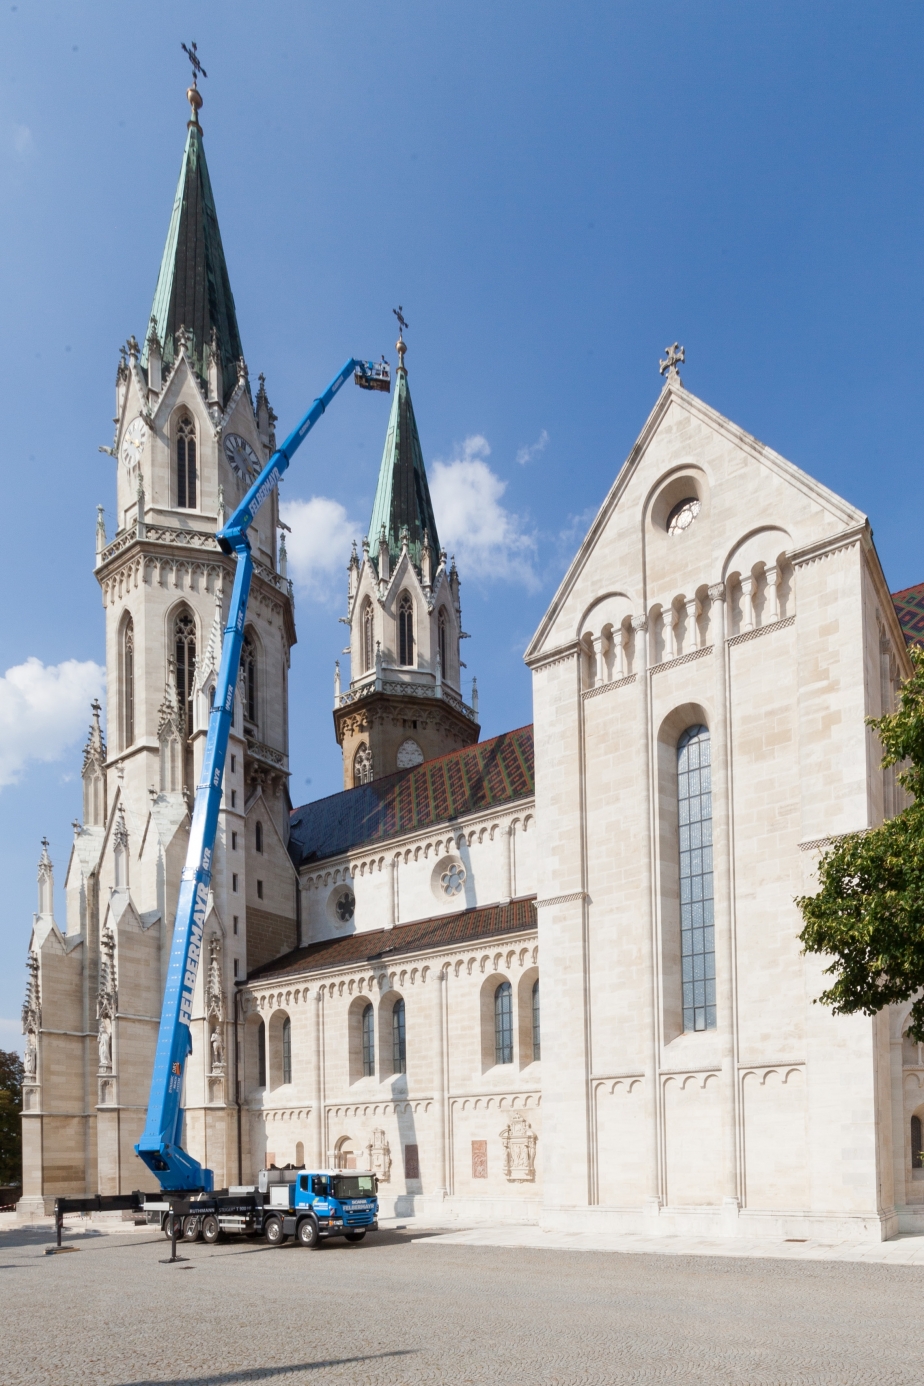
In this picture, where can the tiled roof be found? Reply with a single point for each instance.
(498, 771)
(382, 945)
(909, 607)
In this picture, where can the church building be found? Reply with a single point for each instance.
(553, 976)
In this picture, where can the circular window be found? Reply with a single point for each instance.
(453, 879)
(345, 906)
(409, 753)
(682, 515)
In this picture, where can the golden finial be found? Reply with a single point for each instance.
(399, 344)
(193, 95)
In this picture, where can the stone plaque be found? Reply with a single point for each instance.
(479, 1159)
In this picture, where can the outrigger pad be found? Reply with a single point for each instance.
(373, 375)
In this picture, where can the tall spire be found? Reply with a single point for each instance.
(193, 288)
(402, 496)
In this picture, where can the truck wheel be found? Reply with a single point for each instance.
(272, 1231)
(211, 1232)
(192, 1228)
(355, 1236)
(308, 1233)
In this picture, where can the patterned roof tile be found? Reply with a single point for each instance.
(490, 773)
(909, 607)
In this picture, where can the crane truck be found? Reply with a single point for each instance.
(312, 1204)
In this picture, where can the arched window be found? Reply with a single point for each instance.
(300, 1154)
(186, 467)
(368, 1029)
(258, 837)
(367, 633)
(537, 1048)
(398, 1039)
(405, 629)
(128, 684)
(362, 765)
(503, 1024)
(184, 640)
(443, 639)
(287, 1050)
(917, 1144)
(249, 679)
(261, 1055)
(697, 926)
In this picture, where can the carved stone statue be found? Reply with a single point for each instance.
(218, 1052)
(30, 1060)
(378, 1156)
(104, 1045)
(519, 1142)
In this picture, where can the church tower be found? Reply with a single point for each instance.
(404, 703)
(189, 439)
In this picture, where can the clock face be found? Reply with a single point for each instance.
(133, 443)
(241, 457)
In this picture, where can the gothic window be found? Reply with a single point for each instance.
(287, 1050)
(503, 1024)
(261, 1055)
(442, 630)
(697, 926)
(368, 1030)
(409, 754)
(398, 1038)
(537, 1048)
(186, 465)
(249, 680)
(405, 630)
(367, 632)
(258, 837)
(184, 639)
(362, 765)
(128, 683)
(917, 1144)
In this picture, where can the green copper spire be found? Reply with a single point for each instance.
(402, 497)
(193, 289)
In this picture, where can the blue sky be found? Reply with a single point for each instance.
(553, 193)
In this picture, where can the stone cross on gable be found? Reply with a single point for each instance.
(675, 356)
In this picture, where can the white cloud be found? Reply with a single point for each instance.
(319, 545)
(43, 710)
(487, 539)
(23, 143)
(526, 454)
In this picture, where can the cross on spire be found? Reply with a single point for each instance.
(399, 344)
(675, 356)
(193, 57)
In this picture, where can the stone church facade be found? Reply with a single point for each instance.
(370, 994)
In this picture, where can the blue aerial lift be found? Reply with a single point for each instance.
(313, 1206)
(161, 1144)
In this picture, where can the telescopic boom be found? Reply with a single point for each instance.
(161, 1146)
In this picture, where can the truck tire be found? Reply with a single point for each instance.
(211, 1232)
(308, 1234)
(355, 1236)
(192, 1228)
(272, 1231)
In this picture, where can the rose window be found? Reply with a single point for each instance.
(682, 515)
(453, 879)
(346, 906)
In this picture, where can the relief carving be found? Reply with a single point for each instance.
(378, 1156)
(519, 1142)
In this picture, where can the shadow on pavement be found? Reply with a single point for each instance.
(267, 1373)
(44, 1236)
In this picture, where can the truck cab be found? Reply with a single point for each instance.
(318, 1204)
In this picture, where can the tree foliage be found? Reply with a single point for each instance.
(11, 1074)
(868, 915)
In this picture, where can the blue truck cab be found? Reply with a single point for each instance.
(319, 1204)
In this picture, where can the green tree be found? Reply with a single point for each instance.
(11, 1071)
(868, 915)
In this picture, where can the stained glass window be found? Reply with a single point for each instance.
(503, 1024)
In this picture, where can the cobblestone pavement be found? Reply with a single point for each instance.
(396, 1312)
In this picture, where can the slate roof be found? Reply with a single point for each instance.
(498, 771)
(909, 607)
(383, 945)
(193, 288)
(402, 496)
